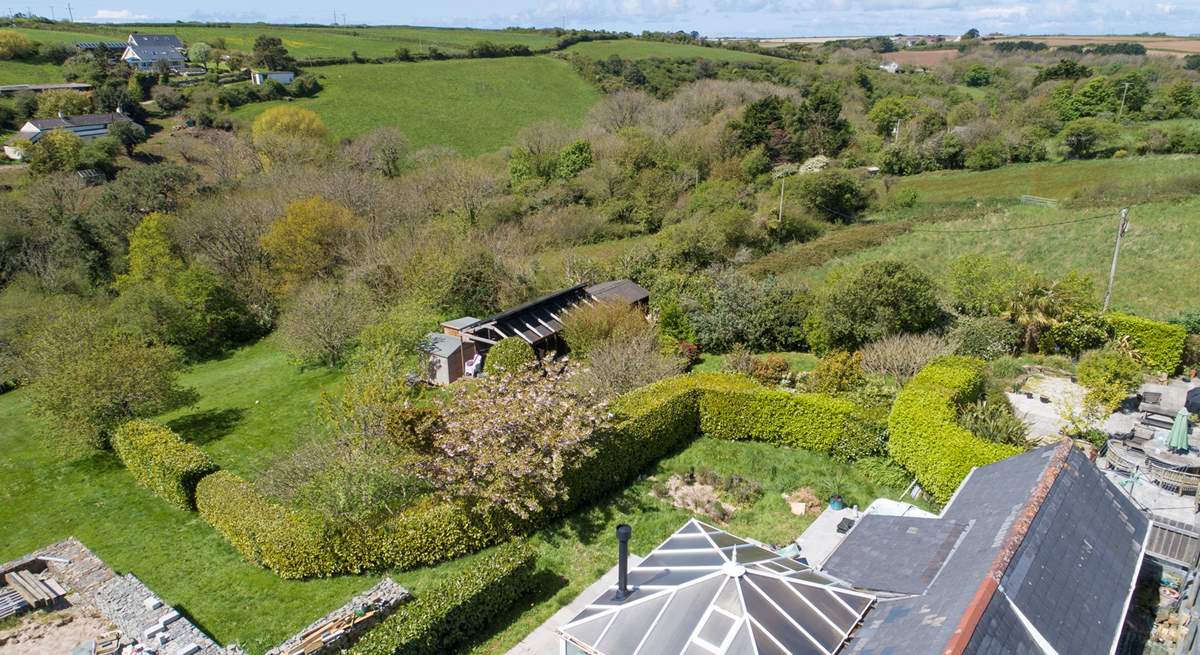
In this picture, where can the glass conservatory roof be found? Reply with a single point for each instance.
(706, 591)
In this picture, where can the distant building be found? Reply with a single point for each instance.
(143, 51)
(86, 126)
(13, 89)
(283, 77)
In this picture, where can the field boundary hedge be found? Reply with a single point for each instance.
(161, 461)
(1160, 344)
(923, 432)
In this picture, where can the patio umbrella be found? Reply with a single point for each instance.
(1178, 439)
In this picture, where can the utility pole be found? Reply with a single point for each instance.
(52, 16)
(782, 181)
(70, 14)
(1112, 272)
(1123, 94)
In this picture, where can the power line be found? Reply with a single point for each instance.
(1016, 228)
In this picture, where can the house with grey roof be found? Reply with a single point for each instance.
(85, 126)
(143, 51)
(1036, 554)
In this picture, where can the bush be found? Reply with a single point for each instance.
(838, 371)
(987, 155)
(902, 355)
(834, 194)
(882, 298)
(1109, 375)
(168, 98)
(771, 369)
(1086, 138)
(586, 327)
(1191, 350)
(985, 337)
(447, 616)
(883, 472)
(1160, 344)
(995, 422)
(1075, 333)
(162, 462)
(508, 355)
(923, 434)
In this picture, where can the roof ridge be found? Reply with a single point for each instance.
(1012, 541)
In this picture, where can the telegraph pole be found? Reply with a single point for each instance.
(70, 14)
(1123, 94)
(1112, 272)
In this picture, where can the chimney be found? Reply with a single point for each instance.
(623, 533)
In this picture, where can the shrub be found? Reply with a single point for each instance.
(1191, 350)
(586, 327)
(902, 355)
(1086, 138)
(447, 616)
(1109, 375)
(883, 472)
(986, 337)
(987, 155)
(510, 354)
(1189, 320)
(1075, 333)
(1159, 344)
(923, 435)
(762, 315)
(621, 364)
(995, 422)
(162, 462)
(771, 369)
(882, 298)
(168, 98)
(838, 371)
(834, 194)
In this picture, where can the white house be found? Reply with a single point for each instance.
(890, 66)
(283, 77)
(142, 51)
(86, 126)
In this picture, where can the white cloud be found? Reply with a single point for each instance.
(117, 14)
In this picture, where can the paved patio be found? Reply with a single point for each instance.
(821, 537)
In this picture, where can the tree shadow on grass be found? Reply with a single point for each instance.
(542, 587)
(209, 425)
(590, 523)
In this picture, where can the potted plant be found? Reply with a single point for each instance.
(832, 488)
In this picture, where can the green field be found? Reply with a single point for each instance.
(636, 49)
(475, 105)
(310, 42)
(20, 72)
(1159, 255)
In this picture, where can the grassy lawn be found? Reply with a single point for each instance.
(798, 361)
(475, 106)
(637, 49)
(309, 42)
(44, 498)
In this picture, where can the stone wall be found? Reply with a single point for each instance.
(383, 598)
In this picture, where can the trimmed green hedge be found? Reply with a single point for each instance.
(923, 433)
(508, 355)
(447, 616)
(1160, 344)
(282, 540)
(161, 461)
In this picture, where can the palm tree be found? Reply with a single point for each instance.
(1035, 308)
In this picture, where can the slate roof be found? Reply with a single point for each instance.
(155, 41)
(460, 323)
(1047, 552)
(81, 120)
(154, 53)
(705, 591)
(625, 291)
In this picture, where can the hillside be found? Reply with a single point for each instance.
(636, 49)
(475, 105)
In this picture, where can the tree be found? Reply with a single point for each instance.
(162, 68)
(309, 240)
(201, 53)
(168, 98)
(57, 151)
(128, 134)
(759, 314)
(980, 285)
(1065, 69)
(321, 324)
(84, 67)
(977, 75)
(1086, 138)
(288, 121)
(574, 159)
(890, 111)
(270, 54)
(152, 255)
(987, 154)
(586, 327)
(87, 379)
(882, 298)
(834, 194)
(384, 150)
(65, 102)
(1096, 97)
(497, 449)
(816, 124)
(617, 365)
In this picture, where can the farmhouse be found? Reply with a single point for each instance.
(463, 343)
(143, 51)
(86, 126)
(283, 77)
(1038, 553)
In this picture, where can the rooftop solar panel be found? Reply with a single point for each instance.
(706, 591)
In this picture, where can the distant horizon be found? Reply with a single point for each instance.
(715, 18)
(756, 37)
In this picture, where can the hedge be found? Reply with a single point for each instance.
(288, 543)
(161, 461)
(447, 616)
(509, 355)
(1160, 344)
(923, 433)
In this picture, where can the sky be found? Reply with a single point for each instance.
(760, 18)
